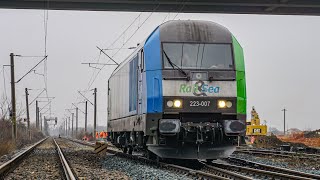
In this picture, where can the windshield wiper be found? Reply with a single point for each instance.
(174, 65)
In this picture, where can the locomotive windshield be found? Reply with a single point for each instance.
(198, 56)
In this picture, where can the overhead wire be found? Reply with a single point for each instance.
(92, 80)
(184, 3)
(94, 76)
(123, 32)
(32, 69)
(30, 56)
(135, 31)
(46, 15)
(125, 42)
(36, 97)
(45, 23)
(166, 17)
(45, 105)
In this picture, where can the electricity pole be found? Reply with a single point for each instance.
(76, 121)
(28, 116)
(37, 118)
(72, 125)
(69, 127)
(86, 111)
(38, 110)
(284, 120)
(13, 98)
(86, 118)
(40, 120)
(95, 114)
(66, 126)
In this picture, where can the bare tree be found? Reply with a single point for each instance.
(4, 109)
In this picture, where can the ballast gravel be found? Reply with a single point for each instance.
(7, 157)
(85, 163)
(42, 163)
(307, 165)
(136, 170)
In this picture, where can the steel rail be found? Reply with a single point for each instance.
(80, 142)
(10, 165)
(223, 172)
(264, 170)
(66, 168)
(214, 173)
(300, 156)
(191, 172)
(277, 153)
(198, 174)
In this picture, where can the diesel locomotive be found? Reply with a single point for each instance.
(181, 94)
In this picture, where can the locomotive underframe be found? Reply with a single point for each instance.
(195, 139)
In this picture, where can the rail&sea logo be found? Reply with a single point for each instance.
(199, 88)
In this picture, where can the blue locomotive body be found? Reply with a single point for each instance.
(179, 95)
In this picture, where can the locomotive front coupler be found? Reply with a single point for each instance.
(200, 127)
(203, 129)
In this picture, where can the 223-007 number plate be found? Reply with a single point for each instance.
(200, 103)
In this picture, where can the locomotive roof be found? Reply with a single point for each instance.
(186, 31)
(194, 31)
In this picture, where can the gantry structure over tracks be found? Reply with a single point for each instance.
(287, 7)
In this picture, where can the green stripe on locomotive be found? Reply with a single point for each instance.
(240, 77)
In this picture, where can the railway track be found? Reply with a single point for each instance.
(85, 163)
(63, 159)
(234, 169)
(43, 160)
(206, 172)
(257, 170)
(279, 153)
(57, 159)
(66, 168)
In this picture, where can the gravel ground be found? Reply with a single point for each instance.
(13, 154)
(131, 169)
(137, 170)
(42, 163)
(303, 165)
(85, 163)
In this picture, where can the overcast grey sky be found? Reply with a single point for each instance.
(281, 55)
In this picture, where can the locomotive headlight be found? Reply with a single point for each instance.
(221, 104)
(169, 103)
(228, 104)
(177, 103)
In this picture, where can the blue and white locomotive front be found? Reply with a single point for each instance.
(181, 94)
(191, 91)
